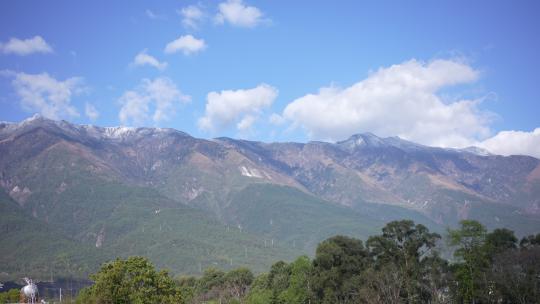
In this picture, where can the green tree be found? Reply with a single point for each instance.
(260, 292)
(436, 275)
(300, 285)
(516, 275)
(470, 272)
(382, 285)
(338, 265)
(500, 240)
(133, 280)
(210, 285)
(237, 282)
(278, 281)
(10, 296)
(530, 241)
(187, 287)
(407, 247)
(212, 277)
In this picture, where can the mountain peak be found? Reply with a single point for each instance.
(367, 139)
(371, 140)
(361, 139)
(363, 135)
(79, 131)
(39, 119)
(34, 117)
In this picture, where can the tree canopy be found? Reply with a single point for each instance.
(133, 280)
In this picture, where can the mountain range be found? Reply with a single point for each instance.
(73, 196)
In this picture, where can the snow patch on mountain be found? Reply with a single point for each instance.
(476, 151)
(252, 172)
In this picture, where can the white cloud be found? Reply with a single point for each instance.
(46, 95)
(514, 143)
(143, 59)
(400, 100)
(192, 15)
(150, 14)
(240, 107)
(276, 119)
(187, 44)
(25, 47)
(160, 96)
(237, 13)
(91, 111)
(246, 123)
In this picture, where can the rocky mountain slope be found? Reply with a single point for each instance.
(188, 202)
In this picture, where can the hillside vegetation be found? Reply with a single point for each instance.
(401, 265)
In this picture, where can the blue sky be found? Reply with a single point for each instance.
(454, 73)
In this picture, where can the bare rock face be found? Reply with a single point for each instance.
(100, 238)
(20, 195)
(61, 188)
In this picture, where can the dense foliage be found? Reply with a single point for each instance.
(401, 265)
(10, 296)
(133, 280)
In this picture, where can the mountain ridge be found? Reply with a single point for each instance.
(360, 153)
(119, 132)
(98, 186)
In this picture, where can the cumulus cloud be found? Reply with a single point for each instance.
(91, 112)
(402, 100)
(240, 107)
(236, 13)
(186, 44)
(46, 95)
(25, 47)
(192, 15)
(143, 59)
(154, 100)
(514, 143)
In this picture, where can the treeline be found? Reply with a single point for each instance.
(401, 265)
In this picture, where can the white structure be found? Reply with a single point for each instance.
(30, 291)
